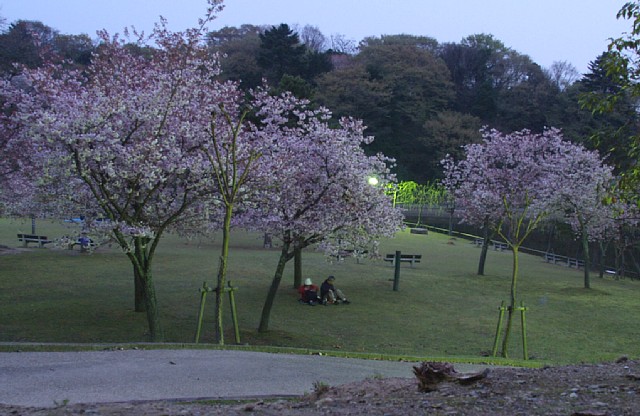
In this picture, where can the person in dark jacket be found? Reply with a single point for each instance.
(330, 294)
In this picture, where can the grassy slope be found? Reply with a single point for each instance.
(441, 309)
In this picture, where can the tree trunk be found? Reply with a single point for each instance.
(602, 258)
(485, 249)
(623, 262)
(419, 215)
(587, 260)
(512, 302)
(145, 286)
(636, 266)
(138, 283)
(138, 280)
(151, 305)
(273, 290)
(222, 274)
(297, 268)
(551, 234)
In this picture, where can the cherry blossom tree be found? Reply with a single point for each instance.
(317, 190)
(509, 183)
(121, 141)
(583, 198)
(10, 162)
(232, 152)
(14, 159)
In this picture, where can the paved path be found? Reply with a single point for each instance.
(44, 378)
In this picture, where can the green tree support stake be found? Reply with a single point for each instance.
(232, 302)
(203, 298)
(496, 341)
(522, 309)
(234, 314)
(525, 350)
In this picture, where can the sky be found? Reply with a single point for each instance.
(576, 31)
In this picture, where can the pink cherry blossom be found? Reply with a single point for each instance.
(314, 185)
(514, 181)
(121, 140)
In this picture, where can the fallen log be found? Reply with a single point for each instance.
(430, 374)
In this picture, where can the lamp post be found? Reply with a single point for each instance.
(450, 205)
(394, 189)
(373, 181)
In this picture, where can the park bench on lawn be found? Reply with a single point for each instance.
(408, 258)
(499, 245)
(31, 238)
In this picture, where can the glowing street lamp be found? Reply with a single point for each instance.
(373, 181)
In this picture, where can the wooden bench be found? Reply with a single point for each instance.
(30, 238)
(499, 245)
(408, 258)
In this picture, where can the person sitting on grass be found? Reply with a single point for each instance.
(309, 293)
(331, 294)
(85, 242)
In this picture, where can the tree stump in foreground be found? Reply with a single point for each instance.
(430, 374)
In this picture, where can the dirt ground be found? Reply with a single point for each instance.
(583, 390)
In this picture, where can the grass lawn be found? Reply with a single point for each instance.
(442, 308)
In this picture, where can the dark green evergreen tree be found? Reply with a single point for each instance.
(470, 74)
(30, 43)
(280, 53)
(611, 132)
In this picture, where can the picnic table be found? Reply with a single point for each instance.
(41, 240)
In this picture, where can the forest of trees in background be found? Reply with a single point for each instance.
(420, 99)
